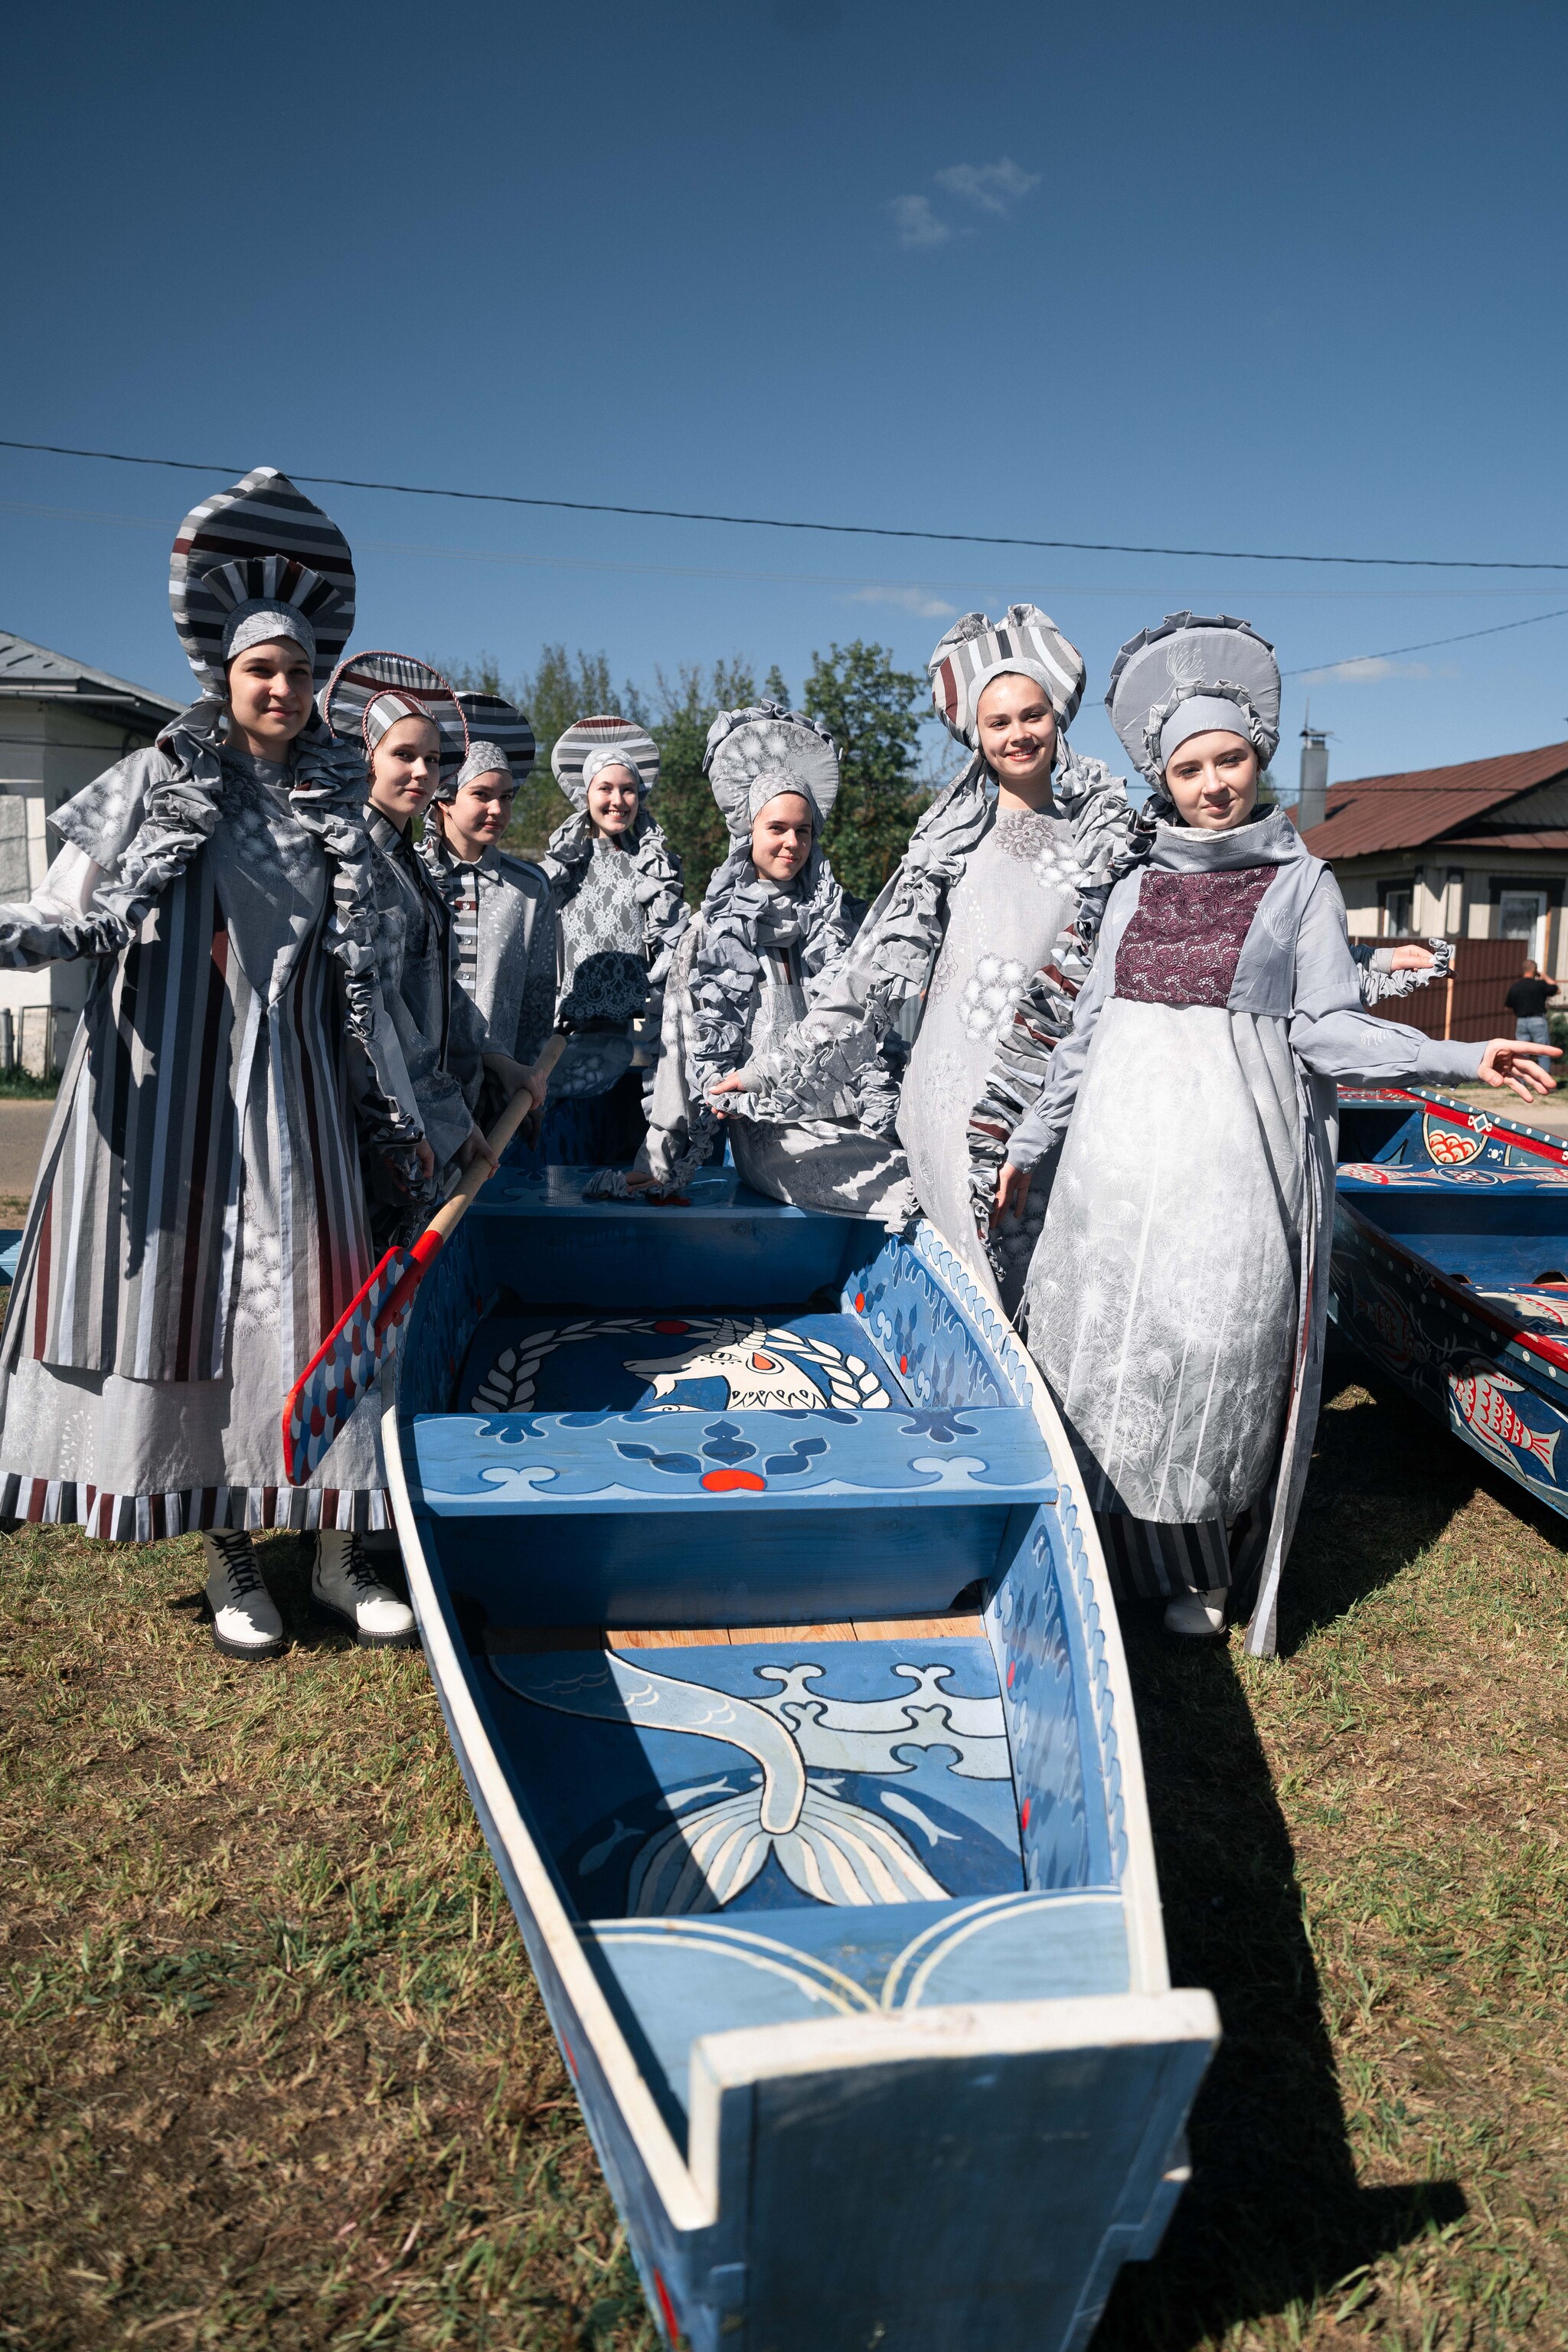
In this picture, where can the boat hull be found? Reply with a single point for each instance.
(1450, 1273)
(939, 2100)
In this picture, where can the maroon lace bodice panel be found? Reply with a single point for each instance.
(1182, 942)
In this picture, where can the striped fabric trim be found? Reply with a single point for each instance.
(152, 1519)
(1157, 1562)
(976, 645)
(262, 538)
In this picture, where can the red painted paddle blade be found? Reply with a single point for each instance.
(345, 1364)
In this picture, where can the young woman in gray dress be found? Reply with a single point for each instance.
(1177, 1298)
(773, 922)
(198, 1223)
(503, 916)
(619, 914)
(407, 719)
(992, 886)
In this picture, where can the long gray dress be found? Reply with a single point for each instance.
(198, 1223)
(1178, 1291)
(442, 1032)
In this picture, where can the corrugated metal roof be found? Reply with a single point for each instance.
(38, 674)
(1406, 812)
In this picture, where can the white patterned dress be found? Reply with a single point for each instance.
(1018, 887)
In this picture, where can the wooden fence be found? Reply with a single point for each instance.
(1468, 1005)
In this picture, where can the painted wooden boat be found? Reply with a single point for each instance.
(1451, 1271)
(783, 1671)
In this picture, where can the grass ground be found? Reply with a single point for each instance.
(277, 2073)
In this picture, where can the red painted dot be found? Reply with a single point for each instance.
(903, 1364)
(729, 1482)
(1023, 1812)
(1012, 1670)
(571, 2054)
(672, 1327)
(859, 1302)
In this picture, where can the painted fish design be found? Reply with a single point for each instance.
(1480, 1402)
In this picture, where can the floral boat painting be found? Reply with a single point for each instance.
(779, 1660)
(1450, 1272)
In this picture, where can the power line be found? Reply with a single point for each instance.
(1317, 669)
(776, 522)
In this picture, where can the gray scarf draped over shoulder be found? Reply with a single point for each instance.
(893, 956)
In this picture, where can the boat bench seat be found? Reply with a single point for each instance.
(741, 1517)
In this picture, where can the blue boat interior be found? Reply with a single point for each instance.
(755, 1565)
(1487, 1212)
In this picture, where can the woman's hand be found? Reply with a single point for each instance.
(474, 1147)
(735, 1084)
(1413, 960)
(1506, 1063)
(424, 1161)
(515, 1079)
(1012, 1192)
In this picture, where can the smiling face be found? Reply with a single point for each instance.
(1213, 779)
(613, 798)
(270, 695)
(1017, 733)
(404, 770)
(477, 813)
(781, 836)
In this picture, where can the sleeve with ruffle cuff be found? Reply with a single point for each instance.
(1380, 982)
(386, 1112)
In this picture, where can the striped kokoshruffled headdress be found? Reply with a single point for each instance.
(256, 562)
(500, 739)
(1025, 643)
(590, 745)
(372, 691)
(1192, 677)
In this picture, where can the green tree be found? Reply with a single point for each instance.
(871, 710)
(682, 802)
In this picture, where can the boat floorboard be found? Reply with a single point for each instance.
(526, 1638)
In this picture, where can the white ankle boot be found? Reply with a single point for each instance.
(344, 1583)
(246, 1624)
(1199, 1616)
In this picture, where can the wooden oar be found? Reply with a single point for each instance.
(346, 1364)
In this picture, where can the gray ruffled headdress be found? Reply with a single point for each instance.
(1026, 643)
(1192, 677)
(499, 739)
(255, 562)
(754, 754)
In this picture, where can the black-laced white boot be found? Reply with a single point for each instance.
(344, 1583)
(246, 1624)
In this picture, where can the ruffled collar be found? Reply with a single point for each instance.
(1268, 840)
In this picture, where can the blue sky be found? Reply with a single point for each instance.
(1229, 277)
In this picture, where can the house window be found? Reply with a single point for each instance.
(1522, 915)
(1398, 906)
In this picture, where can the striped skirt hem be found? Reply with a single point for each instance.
(1158, 1562)
(151, 1518)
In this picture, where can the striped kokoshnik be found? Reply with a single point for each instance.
(261, 542)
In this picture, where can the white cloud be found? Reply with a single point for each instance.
(919, 601)
(989, 187)
(1368, 669)
(917, 223)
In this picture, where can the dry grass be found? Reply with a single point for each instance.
(278, 2075)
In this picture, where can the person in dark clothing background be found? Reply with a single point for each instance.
(1527, 999)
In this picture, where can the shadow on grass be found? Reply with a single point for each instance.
(1275, 2215)
(1386, 1481)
